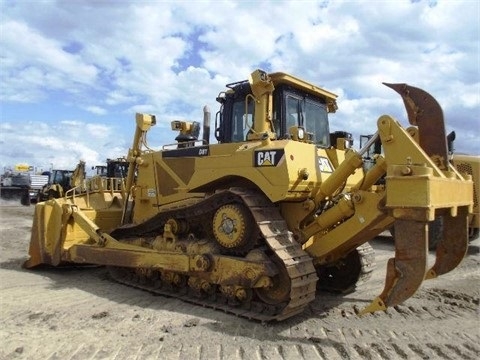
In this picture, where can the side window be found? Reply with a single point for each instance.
(316, 123)
(293, 113)
(240, 120)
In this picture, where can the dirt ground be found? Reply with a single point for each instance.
(82, 314)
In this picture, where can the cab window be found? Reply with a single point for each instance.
(303, 110)
(240, 120)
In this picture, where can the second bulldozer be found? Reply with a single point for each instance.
(257, 222)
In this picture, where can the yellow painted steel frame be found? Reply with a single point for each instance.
(293, 175)
(415, 190)
(413, 179)
(64, 232)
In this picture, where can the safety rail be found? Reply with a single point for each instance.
(96, 184)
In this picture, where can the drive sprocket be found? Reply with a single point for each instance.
(233, 227)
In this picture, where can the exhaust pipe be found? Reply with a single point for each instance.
(206, 125)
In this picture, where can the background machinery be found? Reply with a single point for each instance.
(37, 182)
(21, 183)
(115, 168)
(15, 186)
(470, 165)
(60, 181)
(256, 223)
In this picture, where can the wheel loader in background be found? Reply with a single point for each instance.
(61, 181)
(255, 224)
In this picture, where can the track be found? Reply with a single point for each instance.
(287, 254)
(80, 314)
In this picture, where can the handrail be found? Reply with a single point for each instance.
(96, 184)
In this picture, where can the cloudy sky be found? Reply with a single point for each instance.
(74, 72)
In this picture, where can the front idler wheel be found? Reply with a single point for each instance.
(279, 291)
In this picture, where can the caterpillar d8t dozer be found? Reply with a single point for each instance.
(258, 222)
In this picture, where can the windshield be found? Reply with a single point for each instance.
(60, 176)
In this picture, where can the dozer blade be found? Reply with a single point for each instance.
(425, 112)
(405, 272)
(45, 225)
(452, 248)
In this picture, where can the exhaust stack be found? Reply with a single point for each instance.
(206, 124)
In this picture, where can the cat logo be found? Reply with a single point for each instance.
(268, 157)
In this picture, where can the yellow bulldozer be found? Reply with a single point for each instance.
(256, 223)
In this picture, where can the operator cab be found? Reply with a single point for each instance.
(236, 113)
(60, 177)
(299, 111)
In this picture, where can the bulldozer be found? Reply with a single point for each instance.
(114, 168)
(274, 213)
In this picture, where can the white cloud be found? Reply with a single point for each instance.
(62, 144)
(35, 64)
(121, 96)
(99, 131)
(106, 61)
(96, 110)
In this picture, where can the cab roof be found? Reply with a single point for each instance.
(284, 78)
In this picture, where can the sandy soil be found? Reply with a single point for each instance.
(81, 314)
